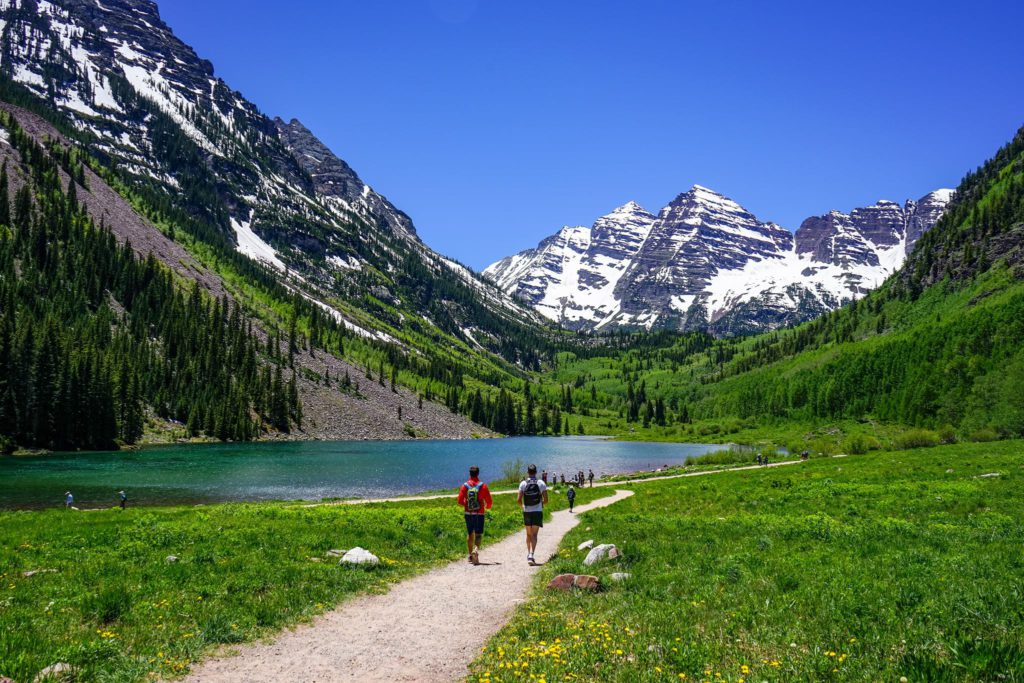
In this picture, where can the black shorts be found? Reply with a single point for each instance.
(474, 524)
(533, 518)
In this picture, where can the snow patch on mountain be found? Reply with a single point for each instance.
(253, 246)
(706, 259)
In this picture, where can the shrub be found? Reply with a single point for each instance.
(947, 434)
(859, 444)
(917, 438)
(824, 447)
(512, 471)
(983, 435)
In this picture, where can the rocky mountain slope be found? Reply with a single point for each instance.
(261, 212)
(211, 161)
(705, 262)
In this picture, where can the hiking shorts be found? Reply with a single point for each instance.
(474, 524)
(533, 518)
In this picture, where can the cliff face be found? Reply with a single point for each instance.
(705, 262)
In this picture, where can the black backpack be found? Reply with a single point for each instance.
(531, 494)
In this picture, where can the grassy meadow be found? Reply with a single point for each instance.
(878, 567)
(118, 611)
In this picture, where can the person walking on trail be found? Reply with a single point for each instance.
(590, 476)
(533, 495)
(571, 496)
(69, 500)
(475, 499)
(123, 498)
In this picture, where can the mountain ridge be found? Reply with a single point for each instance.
(705, 262)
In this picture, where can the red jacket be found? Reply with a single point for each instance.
(484, 496)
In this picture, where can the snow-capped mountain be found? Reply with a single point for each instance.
(705, 262)
(177, 133)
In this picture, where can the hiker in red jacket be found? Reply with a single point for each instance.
(475, 499)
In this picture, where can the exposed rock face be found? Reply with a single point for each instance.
(572, 275)
(925, 213)
(334, 178)
(707, 263)
(145, 102)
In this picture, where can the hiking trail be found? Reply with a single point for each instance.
(417, 631)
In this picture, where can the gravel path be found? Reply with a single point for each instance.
(415, 632)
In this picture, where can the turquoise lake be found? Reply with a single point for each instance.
(309, 470)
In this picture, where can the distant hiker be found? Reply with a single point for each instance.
(804, 455)
(123, 497)
(758, 458)
(544, 476)
(69, 500)
(571, 495)
(563, 478)
(579, 478)
(532, 496)
(764, 460)
(475, 500)
(590, 476)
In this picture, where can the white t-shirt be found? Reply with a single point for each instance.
(539, 506)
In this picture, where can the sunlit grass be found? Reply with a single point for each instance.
(864, 568)
(118, 611)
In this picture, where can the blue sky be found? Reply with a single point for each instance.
(492, 124)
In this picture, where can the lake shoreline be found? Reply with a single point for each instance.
(310, 471)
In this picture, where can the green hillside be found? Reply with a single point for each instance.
(939, 346)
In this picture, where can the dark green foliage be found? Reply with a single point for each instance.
(90, 335)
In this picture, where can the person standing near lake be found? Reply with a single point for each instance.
(533, 494)
(69, 500)
(475, 499)
(590, 476)
(123, 498)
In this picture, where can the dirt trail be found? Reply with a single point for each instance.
(415, 632)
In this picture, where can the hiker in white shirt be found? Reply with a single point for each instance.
(533, 495)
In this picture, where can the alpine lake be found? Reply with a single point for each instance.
(308, 470)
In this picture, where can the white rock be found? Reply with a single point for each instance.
(54, 672)
(599, 553)
(359, 556)
(171, 558)
(586, 545)
(619, 577)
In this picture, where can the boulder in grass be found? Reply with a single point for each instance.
(562, 582)
(61, 671)
(32, 572)
(586, 582)
(600, 552)
(5, 679)
(619, 577)
(171, 558)
(586, 545)
(359, 556)
(567, 582)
